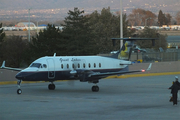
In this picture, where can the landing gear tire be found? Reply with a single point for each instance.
(19, 91)
(51, 86)
(95, 88)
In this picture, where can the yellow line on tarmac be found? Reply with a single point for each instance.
(115, 76)
(8, 82)
(15, 82)
(143, 75)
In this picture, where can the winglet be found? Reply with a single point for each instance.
(3, 64)
(54, 55)
(149, 68)
(8, 68)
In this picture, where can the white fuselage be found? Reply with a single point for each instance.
(62, 67)
(79, 62)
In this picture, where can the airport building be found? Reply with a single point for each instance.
(25, 24)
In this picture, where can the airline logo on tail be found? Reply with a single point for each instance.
(125, 51)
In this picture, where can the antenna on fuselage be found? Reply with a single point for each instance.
(54, 54)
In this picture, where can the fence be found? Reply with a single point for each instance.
(156, 56)
(160, 56)
(153, 56)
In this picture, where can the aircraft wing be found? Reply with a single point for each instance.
(102, 75)
(9, 68)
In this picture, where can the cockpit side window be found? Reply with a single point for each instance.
(38, 65)
(44, 65)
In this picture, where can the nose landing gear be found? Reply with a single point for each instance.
(19, 91)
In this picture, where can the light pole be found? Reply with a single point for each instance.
(29, 25)
(146, 21)
(121, 25)
(37, 27)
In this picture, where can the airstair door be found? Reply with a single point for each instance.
(51, 68)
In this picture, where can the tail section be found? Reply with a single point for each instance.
(125, 51)
(128, 44)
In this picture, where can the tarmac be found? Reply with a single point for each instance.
(131, 98)
(143, 96)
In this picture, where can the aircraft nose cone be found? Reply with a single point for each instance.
(19, 76)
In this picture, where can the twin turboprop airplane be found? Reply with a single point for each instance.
(84, 68)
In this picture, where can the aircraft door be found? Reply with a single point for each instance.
(51, 68)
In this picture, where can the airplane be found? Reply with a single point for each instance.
(84, 68)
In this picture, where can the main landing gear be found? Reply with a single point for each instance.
(19, 91)
(51, 86)
(95, 88)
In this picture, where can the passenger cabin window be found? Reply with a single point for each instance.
(84, 65)
(73, 66)
(67, 65)
(99, 64)
(38, 65)
(78, 65)
(89, 65)
(94, 65)
(62, 66)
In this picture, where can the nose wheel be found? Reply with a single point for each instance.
(19, 91)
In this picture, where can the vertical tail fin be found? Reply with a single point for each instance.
(125, 51)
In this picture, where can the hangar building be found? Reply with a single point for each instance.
(25, 24)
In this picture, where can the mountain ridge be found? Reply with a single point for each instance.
(52, 8)
(51, 4)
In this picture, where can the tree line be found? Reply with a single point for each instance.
(82, 35)
(141, 17)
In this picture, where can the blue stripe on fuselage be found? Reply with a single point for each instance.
(59, 75)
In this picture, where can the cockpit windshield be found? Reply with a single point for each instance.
(38, 65)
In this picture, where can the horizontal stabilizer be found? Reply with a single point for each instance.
(126, 63)
(133, 39)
